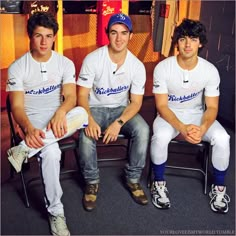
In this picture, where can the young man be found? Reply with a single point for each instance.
(111, 87)
(180, 83)
(36, 83)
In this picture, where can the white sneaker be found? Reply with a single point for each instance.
(159, 193)
(58, 225)
(219, 199)
(17, 155)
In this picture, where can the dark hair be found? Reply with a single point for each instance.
(191, 28)
(44, 19)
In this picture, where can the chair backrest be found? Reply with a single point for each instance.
(15, 137)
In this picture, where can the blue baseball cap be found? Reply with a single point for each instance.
(120, 18)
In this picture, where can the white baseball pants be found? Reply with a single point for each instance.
(216, 135)
(50, 157)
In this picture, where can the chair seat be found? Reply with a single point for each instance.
(119, 143)
(69, 142)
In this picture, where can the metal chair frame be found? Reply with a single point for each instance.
(206, 149)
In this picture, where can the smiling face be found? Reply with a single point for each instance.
(188, 47)
(41, 43)
(119, 37)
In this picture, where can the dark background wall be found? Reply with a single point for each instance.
(219, 18)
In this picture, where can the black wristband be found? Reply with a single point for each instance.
(121, 122)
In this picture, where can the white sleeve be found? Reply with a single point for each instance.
(212, 87)
(69, 71)
(159, 79)
(87, 72)
(15, 77)
(138, 80)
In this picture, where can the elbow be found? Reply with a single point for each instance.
(71, 100)
(212, 110)
(160, 108)
(78, 101)
(74, 102)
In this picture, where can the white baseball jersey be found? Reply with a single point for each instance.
(41, 83)
(185, 88)
(110, 87)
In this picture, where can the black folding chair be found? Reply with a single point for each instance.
(205, 150)
(65, 145)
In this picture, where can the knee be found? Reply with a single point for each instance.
(142, 131)
(82, 113)
(78, 111)
(145, 131)
(161, 137)
(221, 138)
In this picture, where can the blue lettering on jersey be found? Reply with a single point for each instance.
(110, 91)
(184, 98)
(43, 90)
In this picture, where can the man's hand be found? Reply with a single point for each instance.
(111, 133)
(93, 130)
(58, 124)
(33, 137)
(191, 133)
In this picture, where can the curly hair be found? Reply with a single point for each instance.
(44, 19)
(190, 28)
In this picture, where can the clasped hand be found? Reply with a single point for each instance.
(192, 133)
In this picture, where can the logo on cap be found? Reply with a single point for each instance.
(120, 18)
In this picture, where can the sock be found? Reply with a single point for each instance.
(158, 171)
(219, 177)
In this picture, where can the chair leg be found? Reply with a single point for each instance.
(208, 154)
(77, 157)
(63, 160)
(11, 167)
(205, 185)
(128, 148)
(24, 189)
(11, 172)
(149, 177)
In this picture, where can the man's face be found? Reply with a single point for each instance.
(188, 46)
(119, 37)
(41, 42)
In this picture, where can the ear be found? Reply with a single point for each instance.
(200, 45)
(177, 46)
(130, 36)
